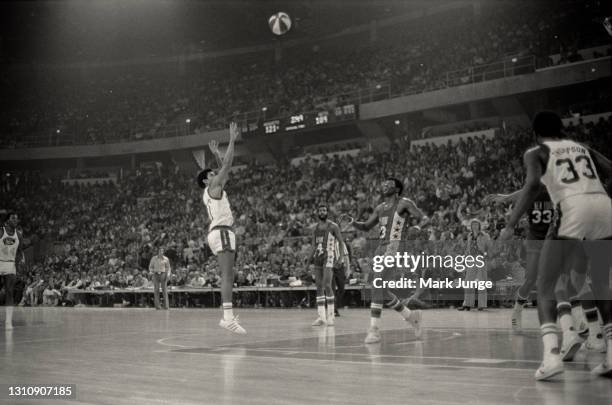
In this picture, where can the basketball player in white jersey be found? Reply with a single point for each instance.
(10, 239)
(572, 175)
(221, 238)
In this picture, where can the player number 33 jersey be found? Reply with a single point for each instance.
(569, 171)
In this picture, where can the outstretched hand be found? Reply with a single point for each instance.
(348, 222)
(495, 198)
(214, 146)
(234, 131)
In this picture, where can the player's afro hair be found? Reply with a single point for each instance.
(398, 184)
(202, 177)
(547, 124)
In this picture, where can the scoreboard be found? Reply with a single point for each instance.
(302, 121)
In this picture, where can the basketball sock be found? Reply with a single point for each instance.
(607, 332)
(375, 312)
(330, 307)
(550, 339)
(564, 311)
(228, 312)
(592, 319)
(399, 307)
(518, 306)
(9, 315)
(321, 307)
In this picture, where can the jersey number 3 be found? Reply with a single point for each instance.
(571, 175)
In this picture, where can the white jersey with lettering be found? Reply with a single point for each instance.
(583, 208)
(8, 252)
(218, 209)
(570, 171)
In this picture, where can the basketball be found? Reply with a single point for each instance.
(280, 23)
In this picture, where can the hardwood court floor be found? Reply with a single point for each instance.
(143, 356)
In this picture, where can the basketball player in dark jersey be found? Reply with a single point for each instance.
(326, 240)
(540, 218)
(572, 175)
(393, 217)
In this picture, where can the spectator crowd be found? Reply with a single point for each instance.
(103, 236)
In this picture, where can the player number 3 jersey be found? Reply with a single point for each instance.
(569, 171)
(218, 209)
(393, 226)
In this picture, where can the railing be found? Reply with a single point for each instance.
(383, 91)
(355, 296)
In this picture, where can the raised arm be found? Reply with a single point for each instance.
(218, 182)
(214, 149)
(460, 215)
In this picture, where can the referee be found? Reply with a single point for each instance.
(159, 267)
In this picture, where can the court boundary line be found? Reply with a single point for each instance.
(412, 365)
(464, 359)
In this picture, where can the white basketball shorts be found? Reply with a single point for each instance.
(585, 217)
(221, 240)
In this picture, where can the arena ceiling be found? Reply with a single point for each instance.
(75, 30)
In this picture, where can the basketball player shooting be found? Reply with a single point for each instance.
(571, 173)
(221, 238)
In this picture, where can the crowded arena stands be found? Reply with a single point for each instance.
(102, 236)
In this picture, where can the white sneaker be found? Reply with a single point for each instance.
(331, 321)
(595, 345)
(318, 322)
(571, 344)
(414, 319)
(551, 366)
(373, 335)
(517, 319)
(232, 326)
(603, 370)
